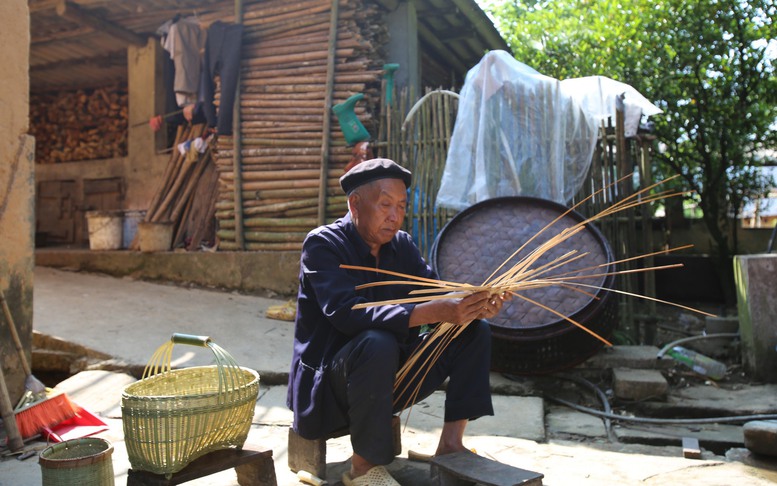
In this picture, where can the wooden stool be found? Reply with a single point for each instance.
(466, 469)
(310, 455)
(254, 467)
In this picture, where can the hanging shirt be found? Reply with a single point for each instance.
(183, 40)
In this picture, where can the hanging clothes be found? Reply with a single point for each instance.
(183, 39)
(222, 58)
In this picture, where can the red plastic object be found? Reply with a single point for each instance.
(83, 424)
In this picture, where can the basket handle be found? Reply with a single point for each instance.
(190, 339)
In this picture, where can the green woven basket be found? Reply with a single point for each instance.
(77, 462)
(172, 417)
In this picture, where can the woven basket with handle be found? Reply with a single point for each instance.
(172, 417)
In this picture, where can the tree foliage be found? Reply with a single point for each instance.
(708, 64)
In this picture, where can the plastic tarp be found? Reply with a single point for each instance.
(521, 133)
(599, 96)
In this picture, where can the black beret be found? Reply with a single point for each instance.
(372, 170)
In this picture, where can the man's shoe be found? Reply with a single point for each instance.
(377, 476)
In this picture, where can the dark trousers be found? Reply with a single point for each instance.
(222, 58)
(362, 378)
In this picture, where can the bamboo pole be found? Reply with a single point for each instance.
(237, 140)
(264, 236)
(286, 223)
(284, 184)
(276, 175)
(251, 246)
(330, 73)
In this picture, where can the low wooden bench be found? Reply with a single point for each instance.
(466, 469)
(254, 467)
(310, 455)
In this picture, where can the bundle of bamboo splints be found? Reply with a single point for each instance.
(283, 124)
(521, 276)
(186, 196)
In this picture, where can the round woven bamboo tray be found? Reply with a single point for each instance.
(528, 339)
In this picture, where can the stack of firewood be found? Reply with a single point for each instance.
(186, 196)
(83, 124)
(283, 93)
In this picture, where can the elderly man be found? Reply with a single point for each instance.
(345, 360)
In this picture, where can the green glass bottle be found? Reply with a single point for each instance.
(698, 362)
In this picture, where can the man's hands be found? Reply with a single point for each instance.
(481, 305)
(459, 310)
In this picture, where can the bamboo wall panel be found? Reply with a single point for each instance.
(282, 97)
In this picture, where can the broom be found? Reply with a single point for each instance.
(44, 414)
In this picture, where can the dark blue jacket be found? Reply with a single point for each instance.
(325, 320)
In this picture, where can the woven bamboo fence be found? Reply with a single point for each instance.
(291, 149)
(630, 232)
(420, 138)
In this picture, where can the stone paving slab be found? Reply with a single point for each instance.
(715, 437)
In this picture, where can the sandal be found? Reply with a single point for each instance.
(377, 476)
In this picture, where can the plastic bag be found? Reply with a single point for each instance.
(521, 133)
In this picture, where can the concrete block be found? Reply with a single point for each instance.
(757, 305)
(632, 384)
(761, 437)
(635, 357)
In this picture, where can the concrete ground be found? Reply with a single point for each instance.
(127, 319)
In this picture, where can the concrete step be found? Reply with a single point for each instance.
(638, 385)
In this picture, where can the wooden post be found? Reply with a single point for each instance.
(237, 148)
(15, 442)
(330, 76)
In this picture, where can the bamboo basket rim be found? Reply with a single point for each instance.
(151, 380)
(105, 451)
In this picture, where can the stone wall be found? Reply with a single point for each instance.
(17, 192)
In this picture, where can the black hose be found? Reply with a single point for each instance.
(600, 394)
(607, 414)
(644, 420)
